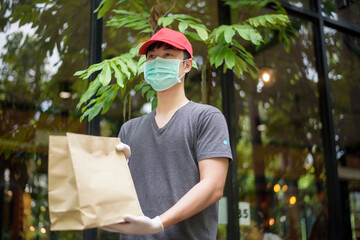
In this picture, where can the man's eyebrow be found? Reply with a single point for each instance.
(169, 48)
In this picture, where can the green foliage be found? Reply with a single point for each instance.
(135, 21)
(186, 22)
(102, 91)
(223, 44)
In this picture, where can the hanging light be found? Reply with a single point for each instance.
(64, 95)
(65, 92)
(266, 75)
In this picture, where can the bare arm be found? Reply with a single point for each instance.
(209, 190)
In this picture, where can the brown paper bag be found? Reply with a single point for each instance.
(90, 184)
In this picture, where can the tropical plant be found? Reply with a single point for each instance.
(223, 43)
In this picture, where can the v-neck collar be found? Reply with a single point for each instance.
(173, 117)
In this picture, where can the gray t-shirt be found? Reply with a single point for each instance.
(164, 164)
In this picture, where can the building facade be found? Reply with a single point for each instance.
(294, 130)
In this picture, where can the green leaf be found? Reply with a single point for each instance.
(94, 111)
(118, 75)
(247, 3)
(183, 17)
(145, 89)
(138, 87)
(239, 67)
(154, 103)
(140, 64)
(84, 115)
(215, 34)
(183, 26)
(229, 34)
(165, 21)
(213, 52)
(201, 31)
(100, 5)
(269, 20)
(123, 68)
(94, 68)
(193, 36)
(230, 58)
(110, 96)
(248, 33)
(105, 75)
(78, 73)
(103, 89)
(105, 8)
(219, 58)
(92, 89)
(131, 65)
(194, 64)
(150, 94)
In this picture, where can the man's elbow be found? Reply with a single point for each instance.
(218, 194)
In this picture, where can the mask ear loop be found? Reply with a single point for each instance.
(181, 76)
(184, 60)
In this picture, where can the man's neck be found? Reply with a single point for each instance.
(171, 100)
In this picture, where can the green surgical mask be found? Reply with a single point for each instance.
(162, 73)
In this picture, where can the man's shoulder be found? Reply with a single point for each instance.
(136, 121)
(201, 108)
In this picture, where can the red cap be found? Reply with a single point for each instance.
(168, 36)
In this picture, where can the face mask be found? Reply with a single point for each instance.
(162, 73)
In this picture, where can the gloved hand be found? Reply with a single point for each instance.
(122, 147)
(137, 225)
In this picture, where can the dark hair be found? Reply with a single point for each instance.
(161, 44)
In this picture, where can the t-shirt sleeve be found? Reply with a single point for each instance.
(122, 134)
(213, 137)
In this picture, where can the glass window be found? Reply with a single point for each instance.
(280, 153)
(343, 56)
(299, 4)
(343, 10)
(42, 45)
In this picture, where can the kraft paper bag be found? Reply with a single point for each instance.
(90, 184)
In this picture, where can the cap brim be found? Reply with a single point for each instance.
(144, 47)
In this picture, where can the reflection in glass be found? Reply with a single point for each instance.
(281, 168)
(343, 10)
(37, 61)
(297, 3)
(343, 56)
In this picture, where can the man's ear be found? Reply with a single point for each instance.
(188, 65)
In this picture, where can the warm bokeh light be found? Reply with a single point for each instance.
(64, 95)
(31, 228)
(10, 193)
(265, 77)
(271, 221)
(292, 200)
(277, 188)
(43, 230)
(285, 188)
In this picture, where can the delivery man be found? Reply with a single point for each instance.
(180, 152)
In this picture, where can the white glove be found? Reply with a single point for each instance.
(122, 147)
(137, 225)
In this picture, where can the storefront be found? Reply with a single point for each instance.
(294, 130)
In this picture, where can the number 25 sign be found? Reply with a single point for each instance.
(244, 213)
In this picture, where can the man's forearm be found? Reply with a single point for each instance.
(202, 195)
